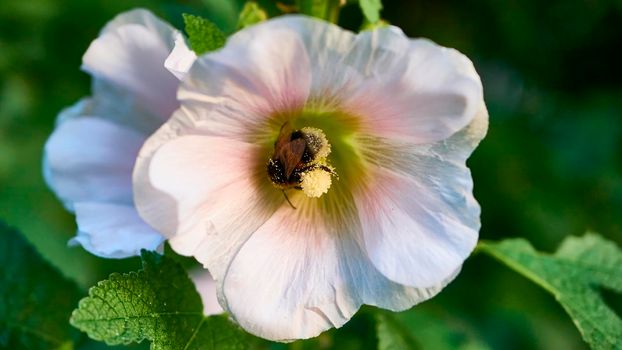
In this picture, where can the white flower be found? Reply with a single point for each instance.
(390, 220)
(89, 157)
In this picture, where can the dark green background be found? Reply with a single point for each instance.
(549, 167)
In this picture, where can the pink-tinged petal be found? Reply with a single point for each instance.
(312, 276)
(113, 230)
(181, 58)
(327, 47)
(259, 72)
(206, 286)
(414, 90)
(91, 159)
(420, 219)
(127, 62)
(208, 195)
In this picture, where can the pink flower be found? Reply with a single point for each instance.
(387, 222)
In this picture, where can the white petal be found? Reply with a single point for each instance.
(181, 58)
(127, 62)
(258, 73)
(414, 90)
(91, 159)
(209, 197)
(113, 230)
(420, 219)
(298, 276)
(141, 17)
(206, 286)
(327, 46)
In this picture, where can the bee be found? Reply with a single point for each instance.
(298, 153)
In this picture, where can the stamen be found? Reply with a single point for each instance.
(315, 182)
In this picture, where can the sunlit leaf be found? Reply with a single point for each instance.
(371, 9)
(158, 303)
(574, 275)
(204, 35)
(35, 299)
(251, 14)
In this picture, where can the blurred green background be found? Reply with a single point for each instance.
(549, 167)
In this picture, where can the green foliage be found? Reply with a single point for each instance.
(204, 35)
(371, 9)
(35, 299)
(415, 329)
(251, 14)
(573, 275)
(325, 9)
(376, 25)
(158, 303)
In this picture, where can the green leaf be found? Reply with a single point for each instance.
(573, 275)
(35, 299)
(251, 14)
(204, 35)
(371, 9)
(417, 329)
(158, 303)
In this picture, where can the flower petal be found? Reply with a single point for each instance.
(310, 276)
(127, 62)
(420, 220)
(209, 195)
(414, 90)
(206, 286)
(258, 73)
(91, 159)
(113, 230)
(181, 58)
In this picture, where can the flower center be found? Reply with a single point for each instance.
(300, 161)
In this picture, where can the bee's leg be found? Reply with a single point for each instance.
(287, 199)
(329, 170)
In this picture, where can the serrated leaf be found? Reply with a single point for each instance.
(415, 329)
(573, 275)
(158, 303)
(371, 9)
(251, 14)
(204, 36)
(35, 299)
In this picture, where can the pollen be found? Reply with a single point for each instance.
(316, 141)
(315, 183)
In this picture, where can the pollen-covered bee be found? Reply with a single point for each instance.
(299, 161)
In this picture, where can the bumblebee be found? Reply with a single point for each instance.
(300, 161)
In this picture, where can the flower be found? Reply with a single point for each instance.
(89, 157)
(388, 217)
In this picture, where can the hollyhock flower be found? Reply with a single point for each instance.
(90, 155)
(313, 170)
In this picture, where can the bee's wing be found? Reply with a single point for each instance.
(291, 154)
(284, 136)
